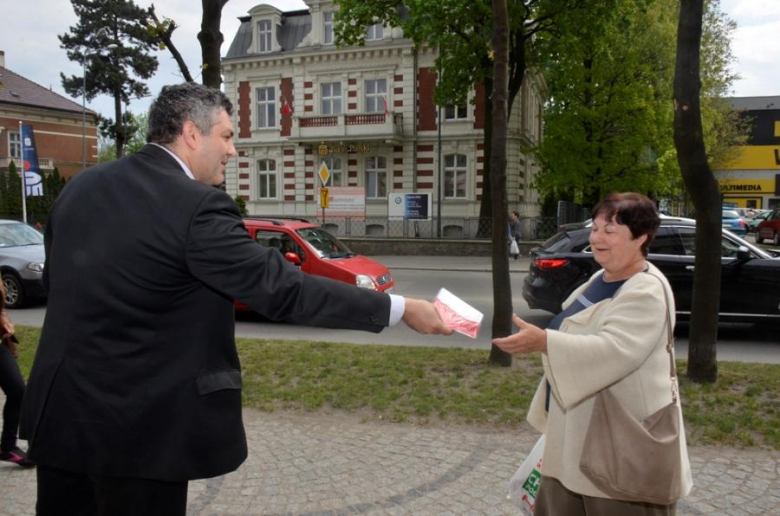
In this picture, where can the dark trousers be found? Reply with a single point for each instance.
(553, 499)
(77, 494)
(12, 384)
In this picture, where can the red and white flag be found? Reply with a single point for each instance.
(286, 108)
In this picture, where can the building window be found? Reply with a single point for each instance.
(264, 36)
(452, 112)
(327, 28)
(266, 174)
(331, 98)
(336, 172)
(455, 174)
(376, 177)
(14, 145)
(266, 107)
(376, 95)
(375, 32)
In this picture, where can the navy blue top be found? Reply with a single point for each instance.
(597, 291)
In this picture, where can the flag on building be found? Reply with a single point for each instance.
(33, 179)
(286, 108)
(384, 103)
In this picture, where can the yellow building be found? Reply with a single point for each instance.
(752, 179)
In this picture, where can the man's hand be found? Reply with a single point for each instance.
(528, 339)
(422, 317)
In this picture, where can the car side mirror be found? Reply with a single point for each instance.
(743, 254)
(292, 258)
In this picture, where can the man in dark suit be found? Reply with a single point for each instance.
(136, 386)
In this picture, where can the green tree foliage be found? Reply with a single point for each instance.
(241, 205)
(37, 207)
(608, 119)
(118, 70)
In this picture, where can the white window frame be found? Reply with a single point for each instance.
(330, 103)
(267, 178)
(327, 28)
(454, 168)
(456, 113)
(265, 97)
(374, 168)
(335, 167)
(14, 143)
(372, 96)
(265, 30)
(375, 32)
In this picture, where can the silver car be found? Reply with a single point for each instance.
(21, 263)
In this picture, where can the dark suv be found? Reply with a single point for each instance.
(750, 284)
(318, 252)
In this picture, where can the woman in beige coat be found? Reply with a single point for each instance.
(611, 333)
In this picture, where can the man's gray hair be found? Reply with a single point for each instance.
(181, 102)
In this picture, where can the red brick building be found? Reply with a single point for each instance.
(65, 135)
(368, 113)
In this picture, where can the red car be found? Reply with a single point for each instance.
(318, 252)
(769, 228)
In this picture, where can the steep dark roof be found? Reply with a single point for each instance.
(295, 26)
(15, 89)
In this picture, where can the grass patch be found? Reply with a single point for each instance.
(425, 385)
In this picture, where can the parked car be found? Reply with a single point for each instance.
(750, 285)
(755, 220)
(318, 252)
(733, 222)
(21, 263)
(769, 228)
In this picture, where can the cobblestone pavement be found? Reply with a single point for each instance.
(337, 464)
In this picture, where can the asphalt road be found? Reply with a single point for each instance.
(736, 342)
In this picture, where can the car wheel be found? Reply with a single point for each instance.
(776, 238)
(14, 295)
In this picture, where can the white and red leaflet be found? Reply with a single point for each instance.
(457, 314)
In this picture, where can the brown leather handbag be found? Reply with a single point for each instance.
(636, 461)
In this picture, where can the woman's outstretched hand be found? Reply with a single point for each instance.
(529, 338)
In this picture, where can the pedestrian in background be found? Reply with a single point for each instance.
(12, 384)
(136, 386)
(514, 235)
(613, 334)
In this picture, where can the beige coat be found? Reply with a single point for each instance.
(618, 343)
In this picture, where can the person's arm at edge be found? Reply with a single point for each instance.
(418, 315)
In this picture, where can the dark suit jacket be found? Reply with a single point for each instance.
(137, 373)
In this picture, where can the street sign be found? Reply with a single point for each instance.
(324, 199)
(324, 173)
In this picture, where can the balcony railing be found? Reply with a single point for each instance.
(363, 126)
(43, 163)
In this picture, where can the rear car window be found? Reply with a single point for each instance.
(557, 242)
(730, 214)
(666, 242)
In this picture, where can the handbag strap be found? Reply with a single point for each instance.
(669, 340)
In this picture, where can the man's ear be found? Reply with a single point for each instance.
(190, 135)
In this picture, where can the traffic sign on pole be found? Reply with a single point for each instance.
(324, 173)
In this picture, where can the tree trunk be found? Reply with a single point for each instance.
(700, 182)
(211, 40)
(486, 205)
(502, 288)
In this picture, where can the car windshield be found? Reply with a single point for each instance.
(325, 244)
(18, 234)
(730, 214)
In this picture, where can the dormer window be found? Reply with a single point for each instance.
(264, 32)
(327, 28)
(375, 32)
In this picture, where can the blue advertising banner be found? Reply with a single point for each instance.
(33, 179)
(409, 206)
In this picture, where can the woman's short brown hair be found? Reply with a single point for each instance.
(634, 210)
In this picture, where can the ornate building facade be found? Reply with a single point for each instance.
(367, 112)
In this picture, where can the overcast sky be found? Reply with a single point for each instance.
(32, 49)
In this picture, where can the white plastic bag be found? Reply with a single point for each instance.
(524, 484)
(514, 249)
